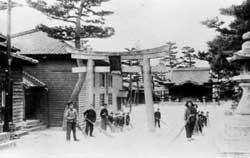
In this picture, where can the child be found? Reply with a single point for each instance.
(111, 121)
(207, 119)
(127, 120)
(201, 121)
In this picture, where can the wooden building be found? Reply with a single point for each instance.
(16, 111)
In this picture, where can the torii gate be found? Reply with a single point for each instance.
(144, 55)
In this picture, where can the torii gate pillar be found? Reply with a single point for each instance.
(90, 81)
(148, 89)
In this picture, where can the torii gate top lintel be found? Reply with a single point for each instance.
(157, 52)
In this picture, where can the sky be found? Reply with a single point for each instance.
(141, 23)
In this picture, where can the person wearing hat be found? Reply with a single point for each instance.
(90, 118)
(71, 117)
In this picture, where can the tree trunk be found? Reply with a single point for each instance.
(81, 76)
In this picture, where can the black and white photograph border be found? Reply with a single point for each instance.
(115, 78)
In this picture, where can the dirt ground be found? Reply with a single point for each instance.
(134, 143)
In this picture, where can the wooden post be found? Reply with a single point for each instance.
(148, 94)
(8, 109)
(90, 81)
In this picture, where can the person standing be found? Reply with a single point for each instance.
(111, 121)
(104, 117)
(190, 119)
(71, 117)
(127, 119)
(157, 115)
(90, 118)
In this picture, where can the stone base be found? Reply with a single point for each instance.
(235, 141)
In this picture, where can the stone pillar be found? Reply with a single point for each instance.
(90, 82)
(244, 104)
(215, 92)
(236, 134)
(148, 89)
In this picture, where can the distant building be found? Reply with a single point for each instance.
(55, 71)
(179, 84)
(182, 84)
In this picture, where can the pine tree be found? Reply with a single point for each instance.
(229, 38)
(171, 60)
(83, 19)
(188, 57)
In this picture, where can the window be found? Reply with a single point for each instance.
(2, 97)
(110, 80)
(102, 79)
(110, 98)
(93, 100)
(94, 79)
(2, 102)
(102, 99)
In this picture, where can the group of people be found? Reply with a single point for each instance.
(118, 121)
(115, 121)
(195, 120)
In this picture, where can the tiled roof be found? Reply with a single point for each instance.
(36, 42)
(3, 49)
(180, 76)
(194, 75)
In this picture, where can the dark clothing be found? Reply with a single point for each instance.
(189, 129)
(157, 116)
(190, 118)
(89, 128)
(201, 121)
(110, 119)
(104, 113)
(193, 113)
(157, 123)
(90, 115)
(127, 120)
(116, 121)
(104, 118)
(71, 126)
(121, 121)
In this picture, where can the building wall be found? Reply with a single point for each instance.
(98, 90)
(18, 96)
(60, 80)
